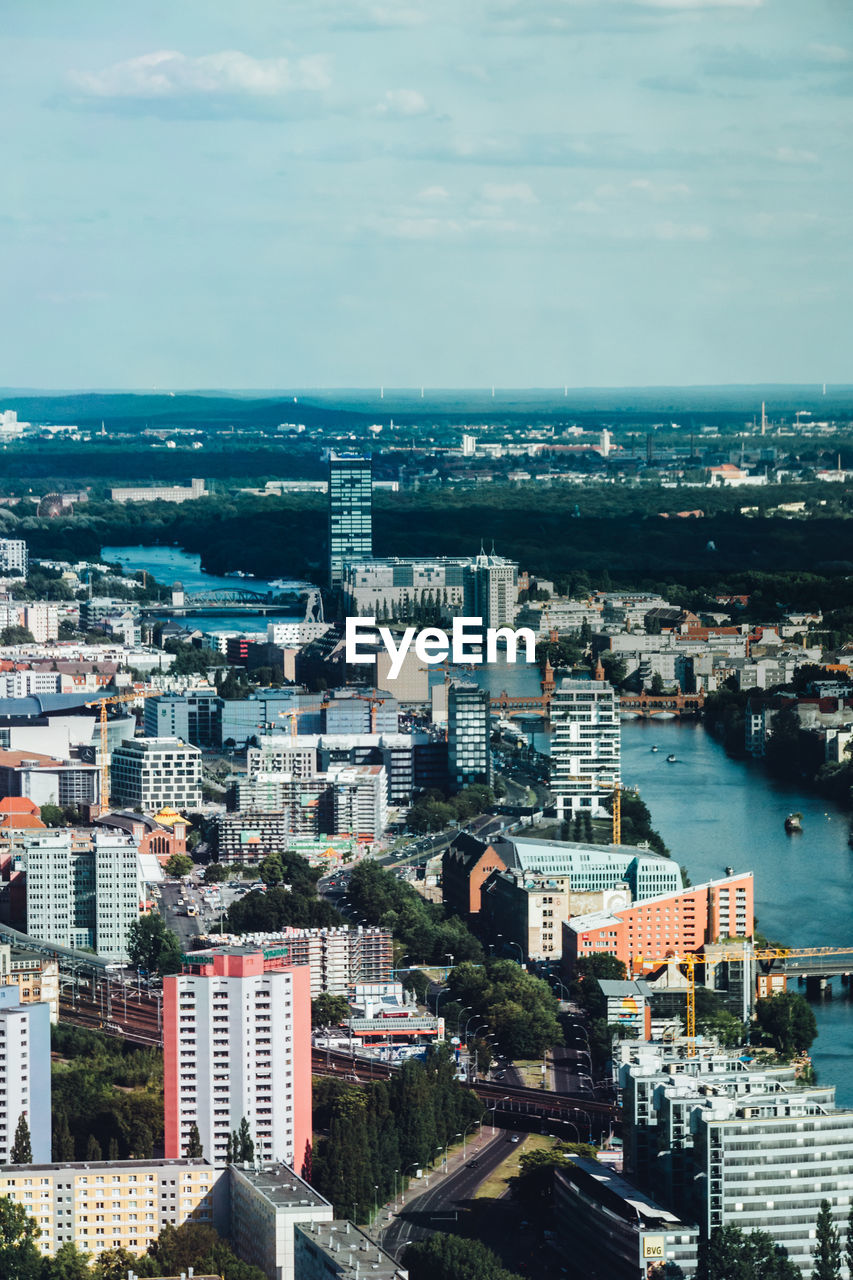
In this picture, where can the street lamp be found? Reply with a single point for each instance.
(439, 994)
(467, 1022)
(493, 1108)
(466, 1008)
(465, 1135)
(375, 1199)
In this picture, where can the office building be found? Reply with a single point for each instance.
(585, 746)
(407, 758)
(24, 1073)
(527, 909)
(360, 799)
(237, 1044)
(82, 889)
(47, 780)
(469, 753)
(14, 561)
(594, 868)
(116, 1204)
(723, 1142)
(670, 925)
(325, 1250)
(495, 589)
(194, 716)
(156, 773)
(350, 513)
(160, 493)
(360, 711)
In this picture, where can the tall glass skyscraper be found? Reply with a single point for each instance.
(350, 512)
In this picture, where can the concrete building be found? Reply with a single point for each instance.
(82, 890)
(155, 773)
(404, 756)
(350, 513)
(585, 746)
(35, 977)
(116, 1204)
(469, 753)
(48, 780)
(526, 909)
(14, 561)
(670, 925)
(595, 868)
(194, 716)
(495, 589)
(339, 959)
(361, 711)
(24, 1073)
(726, 1143)
(160, 493)
(360, 799)
(231, 1028)
(629, 1006)
(325, 1250)
(268, 1207)
(438, 587)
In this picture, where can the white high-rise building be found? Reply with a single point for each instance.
(361, 800)
(156, 772)
(42, 619)
(585, 746)
(82, 894)
(24, 1073)
(13, 557)
(237, 1045)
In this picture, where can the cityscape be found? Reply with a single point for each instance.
(426, 641)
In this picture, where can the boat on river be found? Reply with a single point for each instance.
(793, 822)
(655, 748)
(671, 759)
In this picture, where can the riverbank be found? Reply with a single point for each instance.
(716, 811)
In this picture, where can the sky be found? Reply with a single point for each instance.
(449, 193)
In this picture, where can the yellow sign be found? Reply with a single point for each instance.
(653, 1247)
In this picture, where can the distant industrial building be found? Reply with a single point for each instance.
(160, 493)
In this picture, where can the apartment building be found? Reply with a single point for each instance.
(268, 1208)
(585, 746)
(231, 1028)
(156, 773)
(24, 1072)
(360, 799)
(469, 753)
(526, 909)
(14, 559)
(42, 620)
(35, 978)
(326, 1250)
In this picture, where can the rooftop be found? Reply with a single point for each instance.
(352, 1252)
(284, 1188)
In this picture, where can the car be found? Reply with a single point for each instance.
(515, 1138)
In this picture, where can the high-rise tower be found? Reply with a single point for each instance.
(350, 512)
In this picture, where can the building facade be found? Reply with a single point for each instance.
(528, 910)
(595, 868)
(82, 889)
(350, 513)
(14, 560)
(237, 1044)
(469, 753)
(585, 746)
(24, 1073)
(156, 773)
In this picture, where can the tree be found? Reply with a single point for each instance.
(22, 1151)
(244, 1145)
(114, 1264)
(827, 1254)
(19, 1254)
(454, 1258)
(195, 1150)
(69, 1263)
(16, 635)
(271, 869)
(93, 1149)
(215, 873)
(152, 947)
(329, 1011)
(52, 815)
(63, 1140)
(787, 1021)
(732, 1254)
(180, 864)
(848, 1252)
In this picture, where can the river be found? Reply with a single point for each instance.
(171, 564)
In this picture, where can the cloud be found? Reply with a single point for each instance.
(694, 231)
(394, 15)
(170, 75)
(434, 194)
(833, 54)
(791, 155)
(506, 193)
(402, 102)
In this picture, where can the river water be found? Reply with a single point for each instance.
(171, 564)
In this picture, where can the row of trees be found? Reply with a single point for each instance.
(427, 932)
(732, 1254)
(107, 1097)
(454, 1258)
(175, 1250)
(385, 1130)
(433, 811)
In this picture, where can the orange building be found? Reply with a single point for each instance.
(667, 926)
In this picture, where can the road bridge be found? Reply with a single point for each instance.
(646, 706)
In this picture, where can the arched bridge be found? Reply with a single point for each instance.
(227, 595)
(649, 705)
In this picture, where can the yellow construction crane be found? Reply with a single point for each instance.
(690, 960)
(294, 715)
(102, 704)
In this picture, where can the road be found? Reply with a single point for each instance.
(448, 1194)
(186, 927)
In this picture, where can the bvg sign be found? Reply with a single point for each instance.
(653, 1249)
